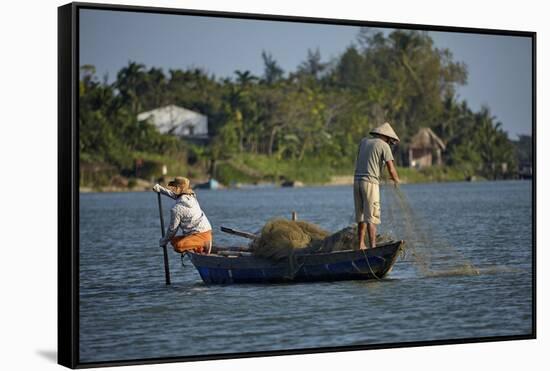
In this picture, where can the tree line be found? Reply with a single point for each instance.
(320, 110)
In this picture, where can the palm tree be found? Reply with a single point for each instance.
(494, 146)
(131, 83)
(156, 81)
(312, 66)
(272, 71)
(245, 78)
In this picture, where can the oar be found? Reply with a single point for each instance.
(166, 268)
(239, 233)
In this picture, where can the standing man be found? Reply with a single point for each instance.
(373, 154)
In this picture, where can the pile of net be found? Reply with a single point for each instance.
(281, 238)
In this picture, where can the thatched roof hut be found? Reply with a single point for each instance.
(426, 138)
(423, 146)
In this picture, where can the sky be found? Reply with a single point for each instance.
(499, 67)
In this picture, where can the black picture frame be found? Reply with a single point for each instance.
(68, 181)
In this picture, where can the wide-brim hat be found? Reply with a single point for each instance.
(182, 185)
(385, 130)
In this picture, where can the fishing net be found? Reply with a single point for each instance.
(431, 256)
(345, 239)
(281, 238)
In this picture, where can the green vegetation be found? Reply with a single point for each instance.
(432, 174)
(252, 169)
(302, 125)
(248, 168)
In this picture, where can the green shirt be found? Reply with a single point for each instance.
(372, 156)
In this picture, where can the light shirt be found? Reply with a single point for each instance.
(186, 214)
(372, 156)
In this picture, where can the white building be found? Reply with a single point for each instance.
(177, 121)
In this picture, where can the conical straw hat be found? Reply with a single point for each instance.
(182, 185)
(385, 130)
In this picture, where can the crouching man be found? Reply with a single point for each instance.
(187, 215)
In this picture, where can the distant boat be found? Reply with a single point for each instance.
(232, 266)
(211, 184)
(292, 183)
(257, 185)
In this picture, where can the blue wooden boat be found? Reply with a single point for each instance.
(230, 267)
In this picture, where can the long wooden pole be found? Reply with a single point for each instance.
(239, 233)
(166, 267)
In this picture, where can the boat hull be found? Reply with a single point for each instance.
(336, 266)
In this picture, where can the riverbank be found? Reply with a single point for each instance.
(407, 175)
(255, 170)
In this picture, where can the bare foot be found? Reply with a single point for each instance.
(362, 247)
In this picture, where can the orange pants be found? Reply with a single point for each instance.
(199, 242)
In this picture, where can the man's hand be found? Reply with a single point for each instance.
(162, 242)
(156, 188)
(393, 173)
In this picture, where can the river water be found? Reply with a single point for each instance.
(467, 273)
